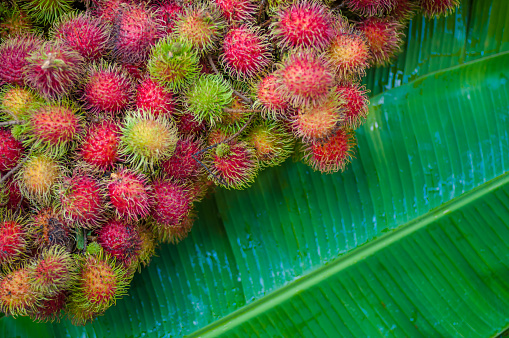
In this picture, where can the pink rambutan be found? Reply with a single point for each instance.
(135, 31)
(14, 239)
(269, 98)
(356, 104)
(434, 8)
(171, 203)
(305, 78)
(237, 10)
(121, 240)
(108, 89)
(50, 229)
(370, 7)
(332, 155)
(85, 34)
(100, 145)
(233, 165)
(384, 38)
(167, 12)
(129, 194)
(107, 10)
(82, 200)
(303, 24)
(245, 52)
(181, 166)
(187, 125)
(152, 96)
(10, 150)
(54, 69)
(349, 52)
(13, 53)
(137, 70)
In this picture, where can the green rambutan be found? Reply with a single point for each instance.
(174, 63)
(202, 25)
(208, 97)
(171, 204)
(370, 7)
(99, 147)
(11, 150)
(14, 238)
(100, 282)
(237, 11)
(181, 166)
(235, 116)
(384, 36)
(305, 79)
(246, 52)
(16, 293)
(107, 89)
(233, 165)
(269, 98)
(135, 31)
(129, 194)
(13, 53)
(38, 176)
(435, 8)
(49, 309)
(146, 140)
(82, 200)
(356, 104)
(303, 24)
(154, 97)
(49, 229)
(46, 11)
(17, 102)
(82, 32)
(271, 142)
(52, 272)
(332, 155)
(120, 240)
(53, 70)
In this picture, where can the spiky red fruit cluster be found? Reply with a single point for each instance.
(181, 165)
(100, 145)
(10, 150)
(237, 10)
(129, 194)
(154, 97)
(13, 53)
(121, 240)
(171, 203)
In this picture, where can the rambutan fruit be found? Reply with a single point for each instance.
(404, 10)
(171, 203)
(435, 8)
(202, 25)
(370, 7)
(235, 116)
(12, 195)
(11, 150)
(13, 53)
(384, 36)
(147, 244)
(129, 194)
(99, 284)
(49, 309)
(15, 22)
(174, 234)
(245, 52)
(14, 238)
(317, 123)
(174, 63)
(167, 12)
(107, 10)
(52, 272)
(208, 97)
(54, 127)
(305, 79)
(303, 24)
(82, 200)
(188, 126)
(349, 52)
(137, 70)
(100, 144)
(217, 135)
(38, 176)
(46, 11)
(236, 11)
(120, 240)
(181, 166)
(332, 155)
(53, 70)
(16, 293)
(271, 142)
(233, 165)
(17, 102)
(135, 31)
(269, 97)
(77, 315)
(146, 140)
(356, 104)
(49, 229)
(107, 89)
(85, 34)
(152, 96)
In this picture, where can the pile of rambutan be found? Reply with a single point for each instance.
(117, 116)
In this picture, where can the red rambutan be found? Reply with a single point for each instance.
(356, 104)
(147, 244)
(349, 52)
(152, 96)
(16, 293)
(13, 195)
(10, 150)
(237, 10)
(332, 155)
(14, 239)
(167, 12)
(434, 8)
(384, 38)
(171, 203)
(129, 194)
(107, 10)
(120, 240)
(181, 166)
(269, 98)
(370, 7)
(245, 52)
(187, 125)
(13, 53)
(49, 309)
(108, 89)
(100, 145)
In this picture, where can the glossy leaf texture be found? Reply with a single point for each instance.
(409, 241)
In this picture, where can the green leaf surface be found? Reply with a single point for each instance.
(408, 241)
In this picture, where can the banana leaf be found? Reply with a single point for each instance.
(411, 240)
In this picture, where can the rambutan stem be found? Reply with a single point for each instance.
(245, 98)
(213, 65)
(14, 170)
(11, 123)
(208, 170)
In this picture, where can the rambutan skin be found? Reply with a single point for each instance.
(356, 104)
(129, 194)
(13, 53)
(435, 8)
(181, 166)
(11, 150)
(371, 7)
(46, 12)
(384, 37)
(14, 240)
(38, 177)
(50, 229)
(269, 97)
(17, 102)
(171, 202)
(332, 155)
(167, 12)
(349, 53)
(237, 10)
(49, 309)
(13, 197)
(152, 96)
(100, 145)
(121, 240)
(188, 126)
(16, 294)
